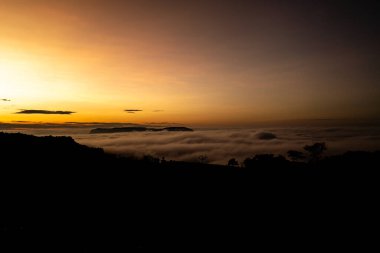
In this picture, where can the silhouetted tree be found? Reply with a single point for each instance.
(263, 160)
(295, 155)
(316, 150)
(233, 163)
(151, 159)
(203, 159)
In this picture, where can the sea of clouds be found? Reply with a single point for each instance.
(220, 145)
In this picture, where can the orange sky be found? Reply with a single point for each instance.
(193, 63)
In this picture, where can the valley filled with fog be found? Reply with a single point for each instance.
(220, 145)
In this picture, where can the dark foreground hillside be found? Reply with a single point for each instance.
(59, 196)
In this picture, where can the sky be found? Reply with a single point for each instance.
(191, 62)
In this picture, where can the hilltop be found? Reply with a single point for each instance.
(138, 129)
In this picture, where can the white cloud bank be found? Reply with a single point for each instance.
(221, 145)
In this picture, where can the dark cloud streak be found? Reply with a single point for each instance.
(44, 112)
(133, 110)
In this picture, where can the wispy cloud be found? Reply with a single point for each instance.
(44, 112)
(5, 100)
(158, 111)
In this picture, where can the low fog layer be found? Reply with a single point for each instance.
(221, 145)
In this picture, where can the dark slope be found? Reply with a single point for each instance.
(59, 196)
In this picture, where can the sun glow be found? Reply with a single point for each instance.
(18, 79)
(25, 78)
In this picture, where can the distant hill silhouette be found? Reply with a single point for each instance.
(138, 129)
(60, 196)
(266, 136)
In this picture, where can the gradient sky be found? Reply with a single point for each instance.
(193, 62)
